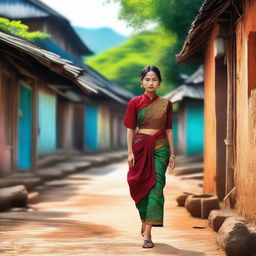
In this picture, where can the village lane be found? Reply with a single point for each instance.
(90, 213)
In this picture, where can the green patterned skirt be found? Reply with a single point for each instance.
(151, 206)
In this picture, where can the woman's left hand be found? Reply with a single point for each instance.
(171, 164)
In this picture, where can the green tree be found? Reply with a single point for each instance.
(174, 16)
(15, 27)
(124, 63)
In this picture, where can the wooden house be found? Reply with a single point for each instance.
(39, 16)
(223, 36)
(87, 126)
(111, 98)
(188, 120)
(28, 120)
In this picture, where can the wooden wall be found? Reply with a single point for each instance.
(210, 116)
(65, 124)
(245, 178)
(8, 122)
(104, 131)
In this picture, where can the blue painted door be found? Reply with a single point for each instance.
(47, 123)
(91, 128)
(195, 129)
(25, 128)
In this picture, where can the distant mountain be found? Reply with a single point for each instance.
(101, 39)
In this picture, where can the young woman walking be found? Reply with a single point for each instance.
(150, 151)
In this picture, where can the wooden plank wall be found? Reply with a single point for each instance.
(210, 116)
(245, 178)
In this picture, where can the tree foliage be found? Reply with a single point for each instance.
(124, 63)
(15, 27)
(172, 16)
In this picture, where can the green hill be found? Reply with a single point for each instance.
(123, 64)
(99, 40)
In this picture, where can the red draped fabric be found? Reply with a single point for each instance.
(142, 177)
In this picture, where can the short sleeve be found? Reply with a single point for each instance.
(130, 115)
(169, 116)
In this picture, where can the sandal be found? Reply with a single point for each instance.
(148, 244)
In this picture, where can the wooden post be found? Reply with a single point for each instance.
(34, 126)
(231, 62)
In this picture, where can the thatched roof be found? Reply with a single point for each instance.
(192, 88)
(91, 75)
(46, 64)
(186, 91)
(45, 58)
(201, 28)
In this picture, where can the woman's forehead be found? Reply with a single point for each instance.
(151, 74)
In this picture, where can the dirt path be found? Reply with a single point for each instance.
(91, 214)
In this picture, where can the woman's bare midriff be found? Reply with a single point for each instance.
(148, 131)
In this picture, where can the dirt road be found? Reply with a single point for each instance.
(92, 214)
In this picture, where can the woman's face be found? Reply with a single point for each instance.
(150, 82)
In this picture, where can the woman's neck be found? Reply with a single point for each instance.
(151, 95)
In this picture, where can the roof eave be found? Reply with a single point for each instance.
(200, 30)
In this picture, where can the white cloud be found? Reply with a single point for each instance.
(91, 13)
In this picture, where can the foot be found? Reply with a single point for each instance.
(148, 244)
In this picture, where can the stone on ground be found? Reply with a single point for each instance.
(217, 217)
(235, 238)
(16, 196)
(201, 205)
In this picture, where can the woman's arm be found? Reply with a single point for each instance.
(131, 159)
(169, 136)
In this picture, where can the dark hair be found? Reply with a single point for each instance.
(146, 69)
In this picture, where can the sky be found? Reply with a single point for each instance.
(91, 14)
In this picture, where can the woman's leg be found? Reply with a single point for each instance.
(143, 225)
(147, 237)
(147, 232)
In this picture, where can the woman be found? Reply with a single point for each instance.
(149, 151)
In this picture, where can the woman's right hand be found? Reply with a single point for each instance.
(131, 160)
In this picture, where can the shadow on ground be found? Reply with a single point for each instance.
(167, 249)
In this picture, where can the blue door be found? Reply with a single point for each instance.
(25, 128)
(195, 129)
(91, 128)
(46, 123)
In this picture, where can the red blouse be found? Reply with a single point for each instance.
(138, 103)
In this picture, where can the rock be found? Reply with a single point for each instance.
(201, 205)
(5, 203)
(217, 217)
(181, 199)
(66, 168)
(29, 182)
(50, 174)
(235, 238)
(15, 196)
(33, 198)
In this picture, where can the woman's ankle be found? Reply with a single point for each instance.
(147, 237)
